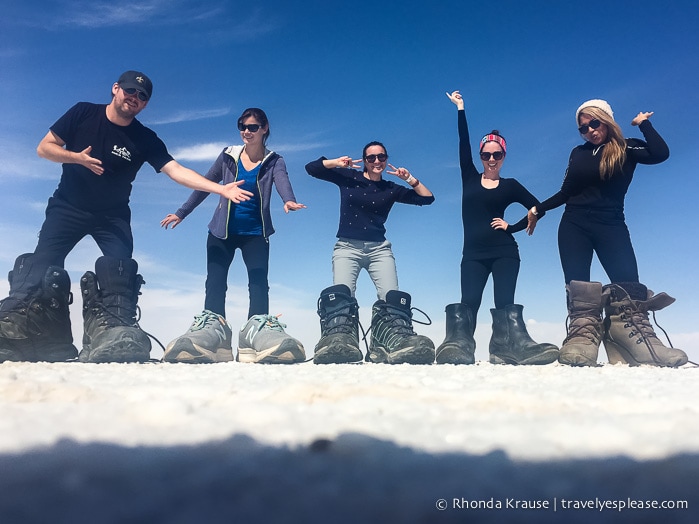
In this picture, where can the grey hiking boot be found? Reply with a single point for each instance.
(393, 340)
(208, 340)
(339, 327)
(263, 340)
(586, 301)
(629, 336)
(35, 318)
(110, 313)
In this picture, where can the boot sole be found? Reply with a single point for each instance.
(338, 355)
(122, 353)
(624, 356)
(454, 355)
(417, 355)
(184, 351)
(546, 357)
(49, 353)
(287, 352)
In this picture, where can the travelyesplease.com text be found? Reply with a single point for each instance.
(561, 504)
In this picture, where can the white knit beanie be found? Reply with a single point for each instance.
(600, 104)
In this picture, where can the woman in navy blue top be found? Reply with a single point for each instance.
(366, 199)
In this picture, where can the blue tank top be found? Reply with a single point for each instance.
(246, 217)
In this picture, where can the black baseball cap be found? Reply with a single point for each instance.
(136, 80)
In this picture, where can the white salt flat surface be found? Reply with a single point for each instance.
(344, 443)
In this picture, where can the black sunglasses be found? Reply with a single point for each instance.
(372, 158)
(253, 128)
(592, 124)
(498, 155)
(132, 91)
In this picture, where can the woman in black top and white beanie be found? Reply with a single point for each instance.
(598, 176)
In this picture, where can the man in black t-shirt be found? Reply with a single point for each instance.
(101, 148)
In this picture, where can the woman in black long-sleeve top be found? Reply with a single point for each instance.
(489, 249)
(598, 176)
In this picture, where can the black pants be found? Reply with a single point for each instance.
(219, 256)
(584, 231)
(474, 277)
(66, 225)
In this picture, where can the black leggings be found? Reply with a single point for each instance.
(474, 277)
(584, 231)
(219, 256)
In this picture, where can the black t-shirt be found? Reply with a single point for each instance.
(122, 150)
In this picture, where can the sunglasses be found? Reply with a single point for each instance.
(253, 128)
(592, 124)
(372, 158)
(498, 155)
(131, 91)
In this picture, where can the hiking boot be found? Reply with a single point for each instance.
(511, 343)
(458, 346)
(263, 340)
(208, 340)
(35, 317)
(339, 327)
(586, 301)
(393, 340)
(110, 313)
(628, 334)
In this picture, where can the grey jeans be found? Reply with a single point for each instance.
(351, 256)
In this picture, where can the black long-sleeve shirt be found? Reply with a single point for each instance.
(584, 187)
(480, 205)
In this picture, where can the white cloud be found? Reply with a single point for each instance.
(189, 116)
(199, 152)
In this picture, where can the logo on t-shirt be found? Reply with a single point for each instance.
(122, 152)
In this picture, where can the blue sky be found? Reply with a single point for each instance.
(333, 76)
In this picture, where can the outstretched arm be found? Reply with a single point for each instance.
(193, 180)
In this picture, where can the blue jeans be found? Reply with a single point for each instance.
(351, 256)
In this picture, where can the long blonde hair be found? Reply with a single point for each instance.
(614, 154)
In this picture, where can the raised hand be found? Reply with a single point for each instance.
(457, 99)
(640, 117)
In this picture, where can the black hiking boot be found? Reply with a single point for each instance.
(110, 313)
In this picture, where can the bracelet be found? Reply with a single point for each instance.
(412, 181)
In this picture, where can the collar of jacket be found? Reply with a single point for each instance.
(235, 151)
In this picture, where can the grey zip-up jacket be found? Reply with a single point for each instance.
(225, 171)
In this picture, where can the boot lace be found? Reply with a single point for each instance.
(584, 329)
(108, 318)
(394, 323)
(202, 320)
(638, 320)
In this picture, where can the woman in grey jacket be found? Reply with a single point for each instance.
(244, 223)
